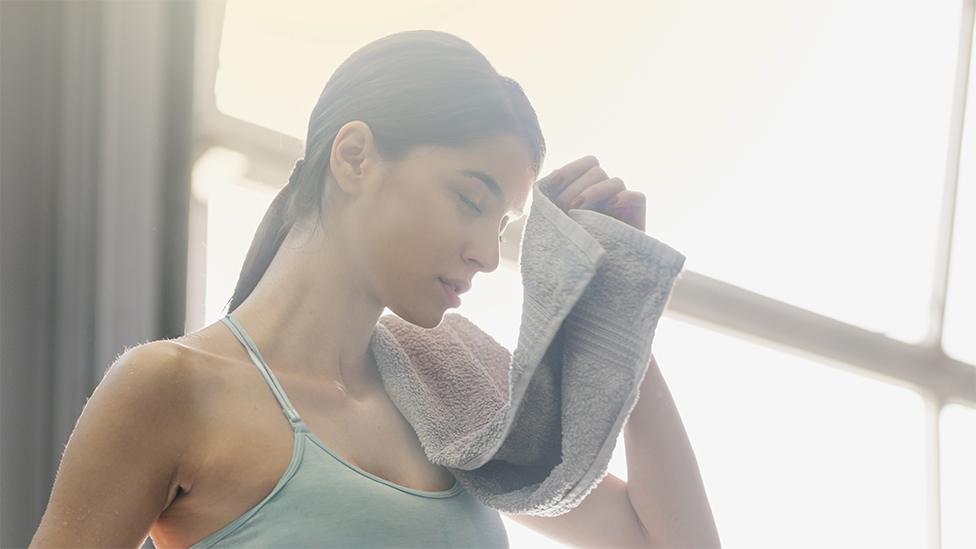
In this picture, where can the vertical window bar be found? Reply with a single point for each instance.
(951, 184)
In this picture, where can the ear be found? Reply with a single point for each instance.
(353, 157)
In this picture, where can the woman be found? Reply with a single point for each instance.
(417, 156)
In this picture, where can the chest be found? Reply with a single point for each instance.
(248, 445)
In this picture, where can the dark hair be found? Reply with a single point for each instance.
(412, 88)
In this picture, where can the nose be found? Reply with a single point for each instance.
(486, 252)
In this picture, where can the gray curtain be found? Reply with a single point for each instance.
(95, 141)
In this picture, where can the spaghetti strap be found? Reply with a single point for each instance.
(262, 366)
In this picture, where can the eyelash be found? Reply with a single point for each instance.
(470, 204)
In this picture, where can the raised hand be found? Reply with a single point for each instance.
(582, 184)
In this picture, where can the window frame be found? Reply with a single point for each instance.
(925, 368)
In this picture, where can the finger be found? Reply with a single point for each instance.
(573, 189)
(597, 195)
(629, 199)
(570, 172)
(629, 207)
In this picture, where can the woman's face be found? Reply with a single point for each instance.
(430, 216)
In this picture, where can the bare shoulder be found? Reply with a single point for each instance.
(174, 386)
(163, 358)
(167, 372)
(126, 459)
(155, 372)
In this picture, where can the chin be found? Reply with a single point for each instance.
(425, 320)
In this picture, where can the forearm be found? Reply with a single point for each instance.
(663, 480)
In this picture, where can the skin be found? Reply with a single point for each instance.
(391, 229)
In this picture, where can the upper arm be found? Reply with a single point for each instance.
(118, 469)
(605, 518)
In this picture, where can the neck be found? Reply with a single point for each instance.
(313, 319)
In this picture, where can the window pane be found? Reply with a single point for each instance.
(804, 152)
(235, 207)
(959, 334)
(795, 149)
(958, 426)
(796, 452)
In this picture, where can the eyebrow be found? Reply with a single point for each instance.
(492, 185)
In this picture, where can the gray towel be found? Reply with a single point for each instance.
(532, 431)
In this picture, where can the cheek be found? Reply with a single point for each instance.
(423, 213)
(408, 236)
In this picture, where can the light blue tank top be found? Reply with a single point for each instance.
(322, 500)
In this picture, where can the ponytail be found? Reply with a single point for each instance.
(271, 232)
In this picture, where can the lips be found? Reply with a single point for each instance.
(457, 284)
(450, 292)
(453, 285)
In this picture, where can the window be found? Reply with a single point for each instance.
(795, 448)
(233, 207)
(796, 153)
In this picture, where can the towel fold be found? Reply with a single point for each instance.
(531, 431)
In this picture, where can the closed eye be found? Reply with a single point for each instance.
(469, 203)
